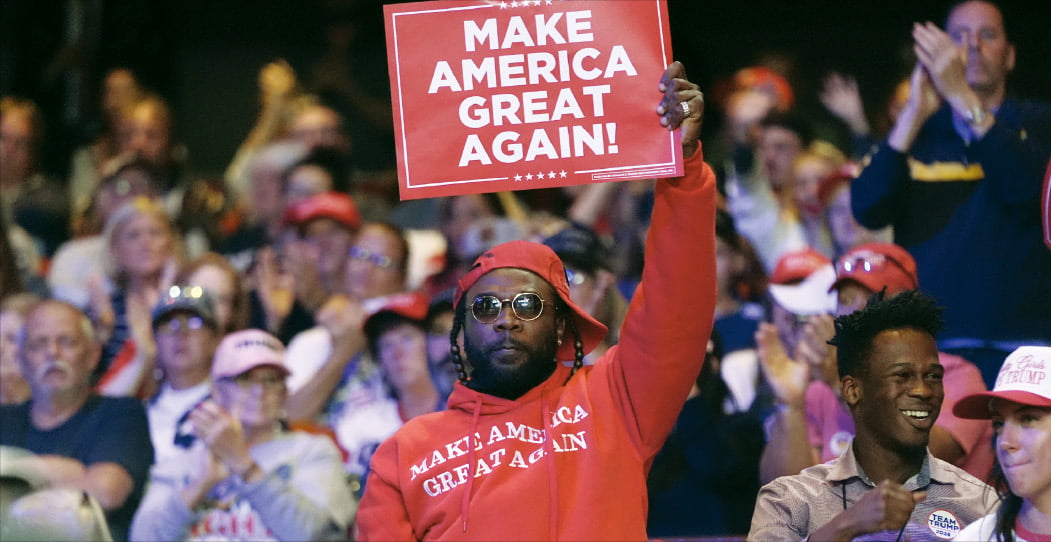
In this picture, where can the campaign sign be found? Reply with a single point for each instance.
(493, 95)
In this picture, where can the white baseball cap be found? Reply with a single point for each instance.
(1025, 378)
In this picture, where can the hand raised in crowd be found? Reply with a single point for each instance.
(788, 378)
(944, 61)
(682, 106)
(275, 287)
(223, 435)
(277, 80)
(813, 348)
(922, 102)
(839, 94)
(343, 317)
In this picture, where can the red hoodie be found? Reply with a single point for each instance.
(486, 470)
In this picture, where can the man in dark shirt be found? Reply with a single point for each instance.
(99, 445)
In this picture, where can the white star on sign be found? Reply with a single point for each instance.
(529, 176)
(518, 178)
(562, 174)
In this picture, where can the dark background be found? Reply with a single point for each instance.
(204, 55)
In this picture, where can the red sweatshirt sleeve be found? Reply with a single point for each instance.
(666, 330)
(381, 514)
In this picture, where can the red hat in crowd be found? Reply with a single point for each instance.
(1024, 378)
(410, 305)
(798, 265)
(338, 207)
(800, 283)
(766, 80)
(875, 265)
(544, 262)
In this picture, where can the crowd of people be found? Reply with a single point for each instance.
(797, 338)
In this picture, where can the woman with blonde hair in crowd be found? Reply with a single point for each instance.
(144, 251)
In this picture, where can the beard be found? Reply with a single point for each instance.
(509, 381)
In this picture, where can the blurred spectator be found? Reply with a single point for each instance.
(327, 224)
(321, 170)
(187, 331)
(959, 178)
(144, 262)
(97, 444)
(397, 339)
(592, 284)
(262, 203)
(455, 217)
(740, 286)
(760, 200)
(827, 428)
(278, 88)
(120, 90)
(834, 194)
(14, 388)
(224, 285)
(84, 258)
(809, 170)
(839, 94)
(704, 480)
(333, 374)
(29, 198)
(248, 477)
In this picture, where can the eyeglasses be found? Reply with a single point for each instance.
(378, 260)
(268, 383)
(575, 278)
(180, 322)
(868, 262)
(527, 306)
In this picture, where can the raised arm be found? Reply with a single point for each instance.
(667, 326)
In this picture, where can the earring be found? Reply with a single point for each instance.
(559, 342)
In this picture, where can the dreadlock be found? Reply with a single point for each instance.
(578, 344)
(454, 347)
(855, 331)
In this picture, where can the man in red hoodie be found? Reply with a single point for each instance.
(534, 449)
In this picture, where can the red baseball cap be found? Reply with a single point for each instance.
(543, 261)
(1025, 378)
(875, 265)
(798, 265)
(334, 205)
(411, 305)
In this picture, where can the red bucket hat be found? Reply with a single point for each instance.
(544, 262)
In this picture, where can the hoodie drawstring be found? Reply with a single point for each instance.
(471, 463)
(552, 479)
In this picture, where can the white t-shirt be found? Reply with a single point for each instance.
(983, 530)
(164, 413)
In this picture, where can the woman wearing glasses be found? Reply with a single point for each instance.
(247, 477)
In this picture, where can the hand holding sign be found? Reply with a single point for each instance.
(683, 105)
(530, 94)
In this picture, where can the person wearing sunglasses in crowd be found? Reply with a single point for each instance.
(886, 484)
(533, 448)
(247, 477)
(813, 424)
(1020, 408)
